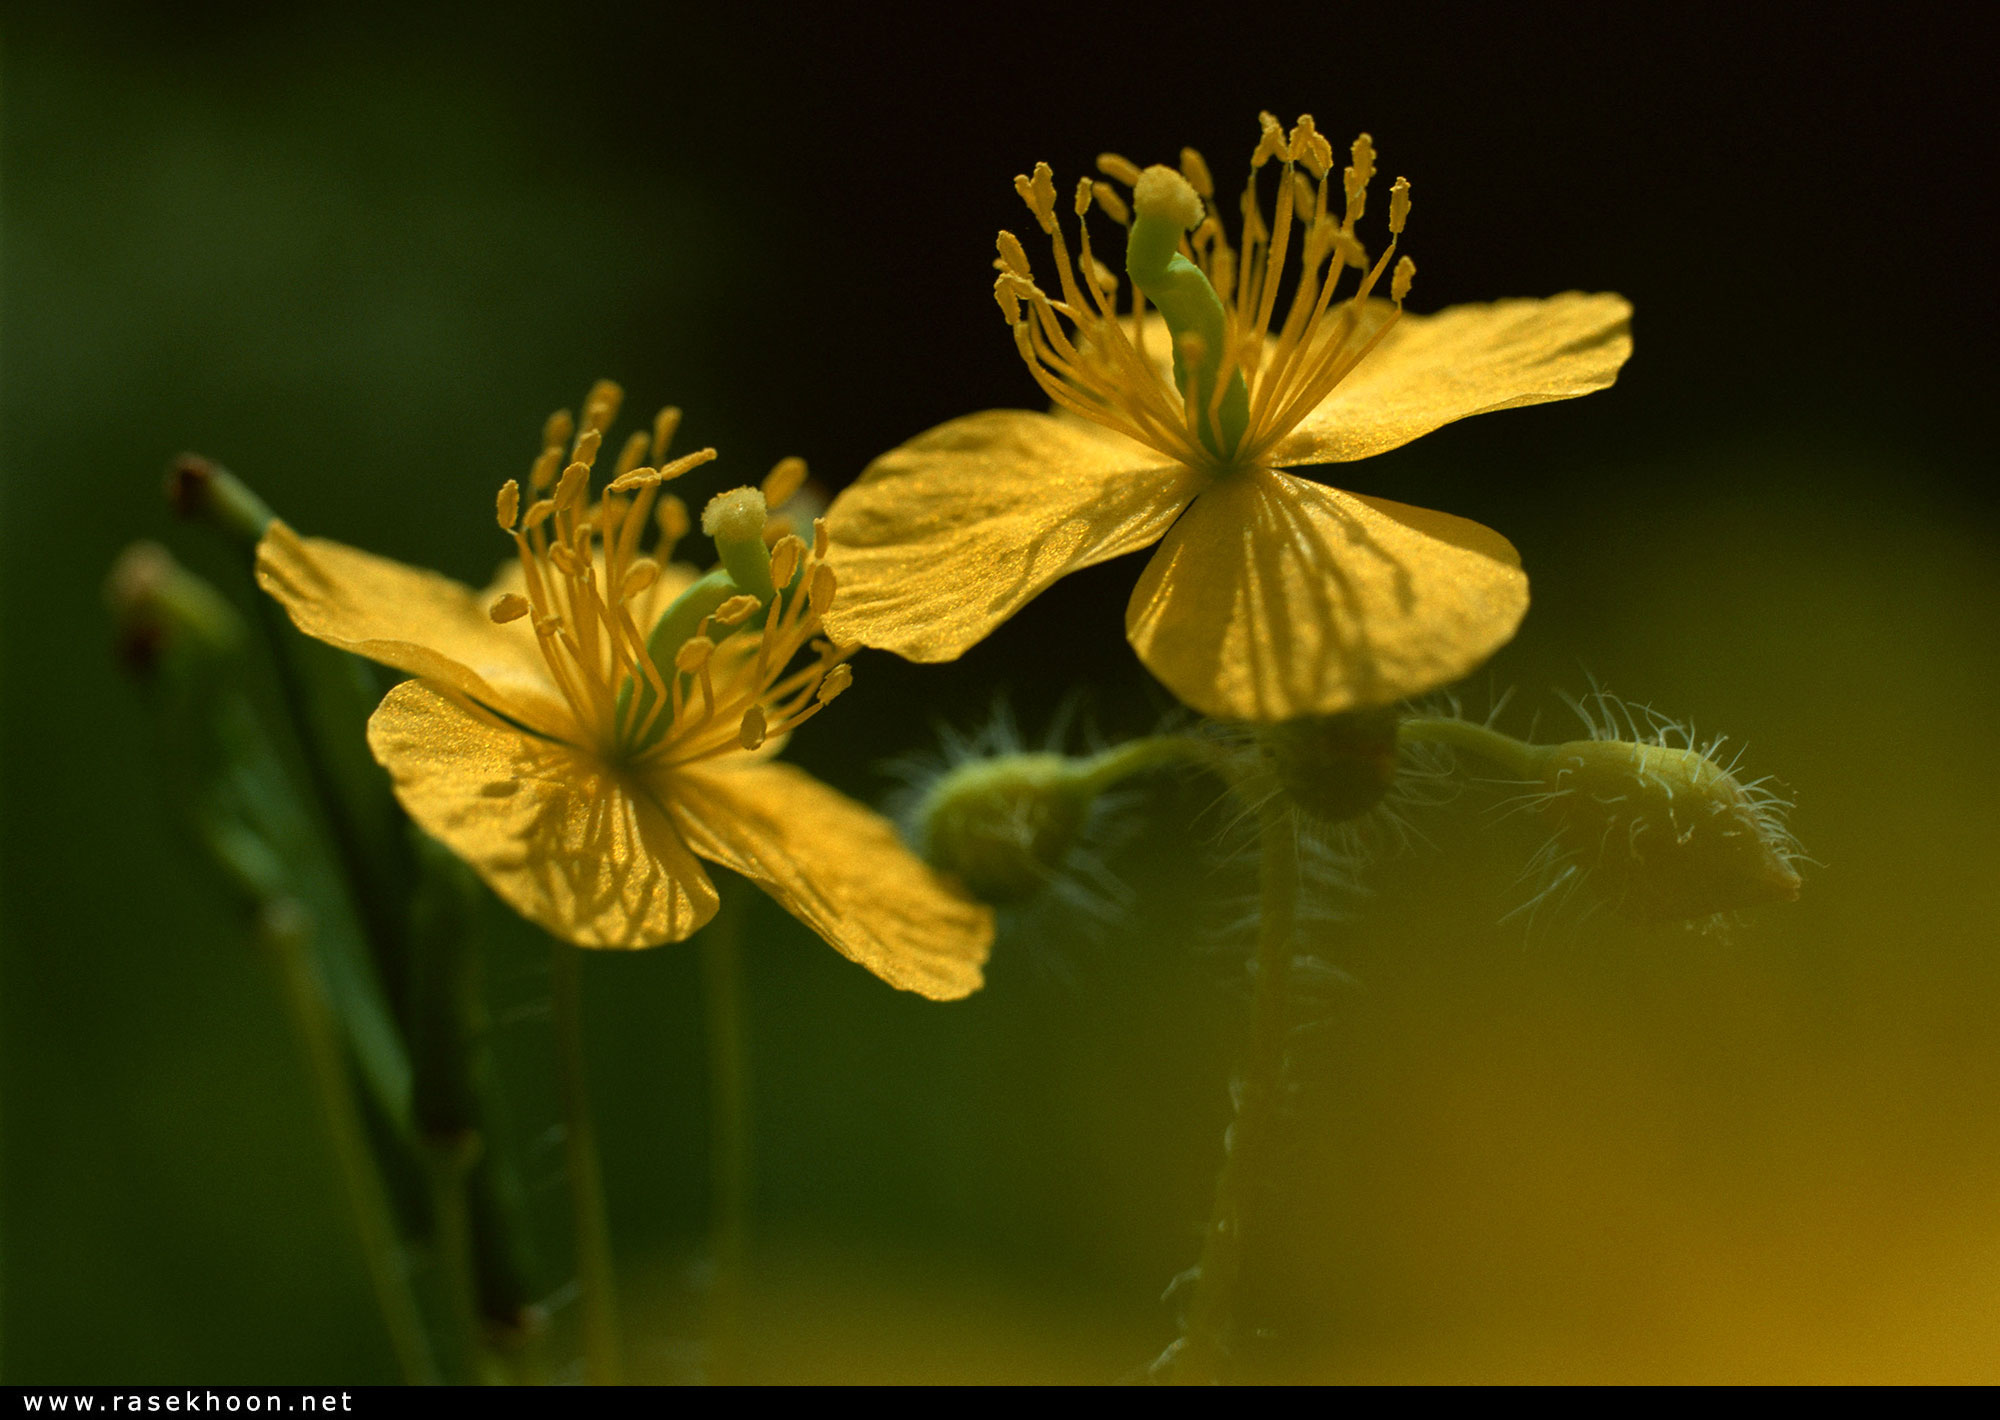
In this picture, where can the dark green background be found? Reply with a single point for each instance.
(358, 257)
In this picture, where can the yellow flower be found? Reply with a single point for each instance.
(597, 720)
(1272, 597)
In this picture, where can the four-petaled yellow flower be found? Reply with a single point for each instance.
(1272, 596)
(599, 718)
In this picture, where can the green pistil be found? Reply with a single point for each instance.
(672, 631)
(1194, 316)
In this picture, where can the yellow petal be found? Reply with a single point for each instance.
(1465, 360)
(838, 867)
(565, 844)
(1275, 598)
(414, 620)
(946, 537)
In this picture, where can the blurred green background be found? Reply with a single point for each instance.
(358, 256)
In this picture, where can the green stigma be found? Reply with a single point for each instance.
(1164, 206)
(736, 521)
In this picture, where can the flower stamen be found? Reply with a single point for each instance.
(1237, 386)
(717, 661)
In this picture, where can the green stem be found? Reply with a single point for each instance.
(729, 1151)
(1203, 1355)
(1524, 761)
(601, 1350)
(284, 931)
(1150, 752)
(448, 1163)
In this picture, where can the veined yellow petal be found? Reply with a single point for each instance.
(1465, 360)
(838, 867)
(566, 844)
(1275, 598)
(946, 537)
(414, 620)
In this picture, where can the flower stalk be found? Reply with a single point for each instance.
(1206, 1349)
(285, 932)
(729, 1135)
(596, 1278)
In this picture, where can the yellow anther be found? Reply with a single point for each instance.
(587, 443)
(1039, 192)
(600, 406)
(837, 680)
(751, 733)
(664, 425)
(538, 514)
(819, 592)
(693, 654)
(636, 444)
(632, 479)
(1105, 278)
(565, 560)
(1270, 142)
(1309, 146)
(1358, 176)
(785, 559)
(672, 516)
(1115, 165)
(736, 611)
(1012, 256)
(1045, 188)
(507, 507)
(787, 476)
(1399, 205)
(575, 482)
(557, 429)
(548, 626)
(1348, 248)
(1113, 205)
(819, 537)
(639, 576)
(681, 465)
(1009, 299)
(1083, 195)
(543, 473)
(511, 606)
(1195, 169)
(1399, 284)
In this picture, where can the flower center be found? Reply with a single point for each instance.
(1237, 386)
(714, 672)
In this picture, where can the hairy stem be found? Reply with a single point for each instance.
(1207, 1341)
(1524, 761)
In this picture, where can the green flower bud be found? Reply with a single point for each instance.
(1004, 826)
(1668, 833)
(1007, 824)
(1655, 826)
